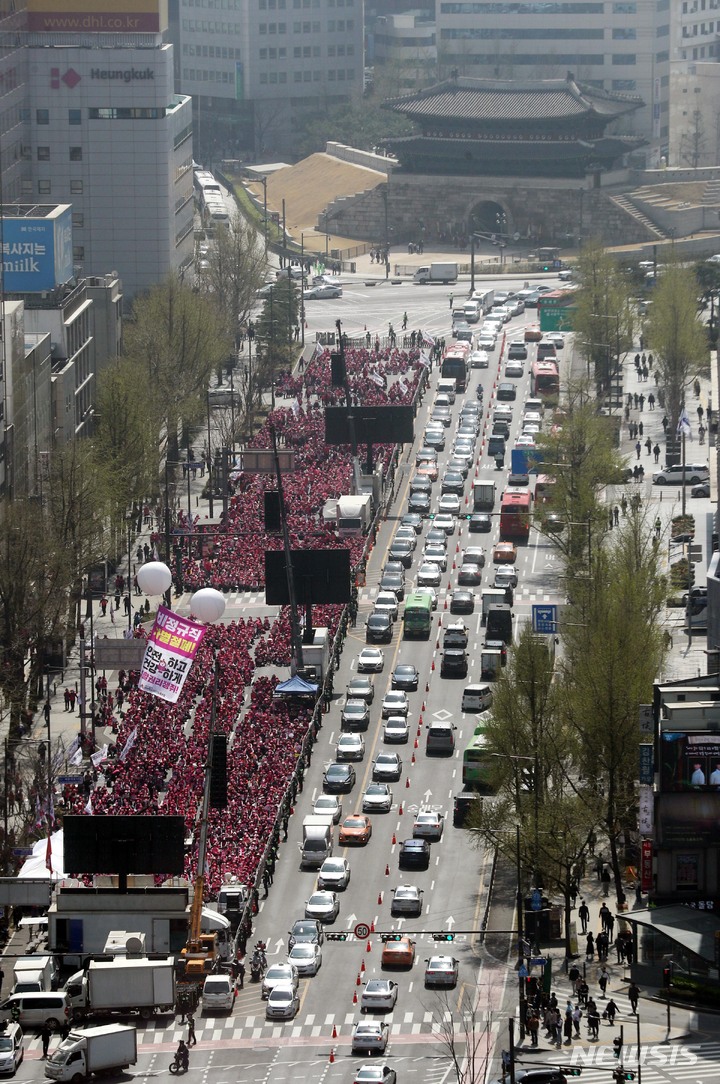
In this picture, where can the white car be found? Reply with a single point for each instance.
(479, 359)
(446, 522)
(487, 339)
(525, 440)
(387, 602)
(378, 798)
(349, 747)
(370, 1036)
(514, 368)
(324, 906)
(328, 805)
(395, 702)
(396, 730)
(532, 416)
(371, 660)
(450, 503)
(435, 554)
(441, 971)
(321, 291)
(531, 428)
(218, 994)
(428, 575)
(283, 1003)
(306, 958)
(279, 975)
(334, 873)
(378, 994)
(387, 767)
(428, 825)
(407, 900)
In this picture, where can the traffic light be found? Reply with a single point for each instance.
(336, 937)
(617, 1046)
(571, 1070)
(622, 1074)
(527, 780)
(338, 371)
(443, 937)
(391, 937)
(667, 976)
(218, 772)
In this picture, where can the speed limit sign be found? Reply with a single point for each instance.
(361, 931)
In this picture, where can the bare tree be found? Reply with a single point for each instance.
(693, 144)
(236, 270)
(464, 1032)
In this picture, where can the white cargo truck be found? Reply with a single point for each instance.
(109, 1048)
(437, 272)
(34, 974)
(123, 987)
(354, 514)
(317, 842)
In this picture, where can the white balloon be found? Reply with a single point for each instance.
(207, 604)
(154, 578)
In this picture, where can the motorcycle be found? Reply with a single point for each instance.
(256, 968)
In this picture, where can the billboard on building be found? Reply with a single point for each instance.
(685, 819)
(37, 251)
(689, 761)
(97, 16)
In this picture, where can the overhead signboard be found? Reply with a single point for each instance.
(373, 425)
(689, 761)
(111, 844)
(37, 250)
(118, 654)
(97, 16)
(319, 577)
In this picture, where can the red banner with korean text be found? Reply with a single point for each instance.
(646, 865)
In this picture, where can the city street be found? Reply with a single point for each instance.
(243, 1048)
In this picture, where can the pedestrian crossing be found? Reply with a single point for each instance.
(256, 1027)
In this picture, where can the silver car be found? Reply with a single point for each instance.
(407, 900)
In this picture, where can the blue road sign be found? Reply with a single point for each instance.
(22, 852)
(647, 766)
(544, 618)
(523, 972)
(536, 899)
(70, 780)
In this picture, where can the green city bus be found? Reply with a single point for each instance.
(477, 763)
(417, 620)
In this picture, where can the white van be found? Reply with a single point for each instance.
(36, 1009)
(472, 311)
(12, 1050)
(447, 386)
(534, 406)
(477, 698)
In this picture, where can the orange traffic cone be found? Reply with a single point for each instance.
(416, 743)
(412, 759)
(334, 1034)
(445, 606)
(372, 927)
(379, 898)
(368, 946)
(424, 706)
(433, 662)
(354, 999)
(332, 1056)
(427, 686)
(420, 723)
(362, 968)
(400, 810)
(407, 783)
(357, 981)
(387, 871)
(394, 839)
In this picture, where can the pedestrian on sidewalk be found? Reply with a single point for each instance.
(117, 591)
(616, 515)
(583, 991)
(576, 1018)
(665, 423)
(593, 1022)
(610, 925)
(641, 400)
(532, 1024)
(633, 995)
(603, 980)
(605, 878)
(66, 697)
(602, 943)
(651, 401)
(610, 1011)
(73, 698)
(638, 449)
(126, 603)
(648, 445)
(568, 1028)
(590, 947)
(656, 453)
(604, 912)
(583, 915)
(639, 429)
(645, 372)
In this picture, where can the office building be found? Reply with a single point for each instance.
(257, 68)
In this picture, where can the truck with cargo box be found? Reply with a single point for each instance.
(105, 1049)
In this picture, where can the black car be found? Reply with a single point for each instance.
(306, 931)
(453, 482)
(420, 483)
(419, 502)
(506, 391)
(393, 581)
(462, 602)
(402, 551)
(469, 576)
(338, 778)
(412, 519)
(378, 629)
(405, 676)
(454, 663)
(480, 523)
(414, 854)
